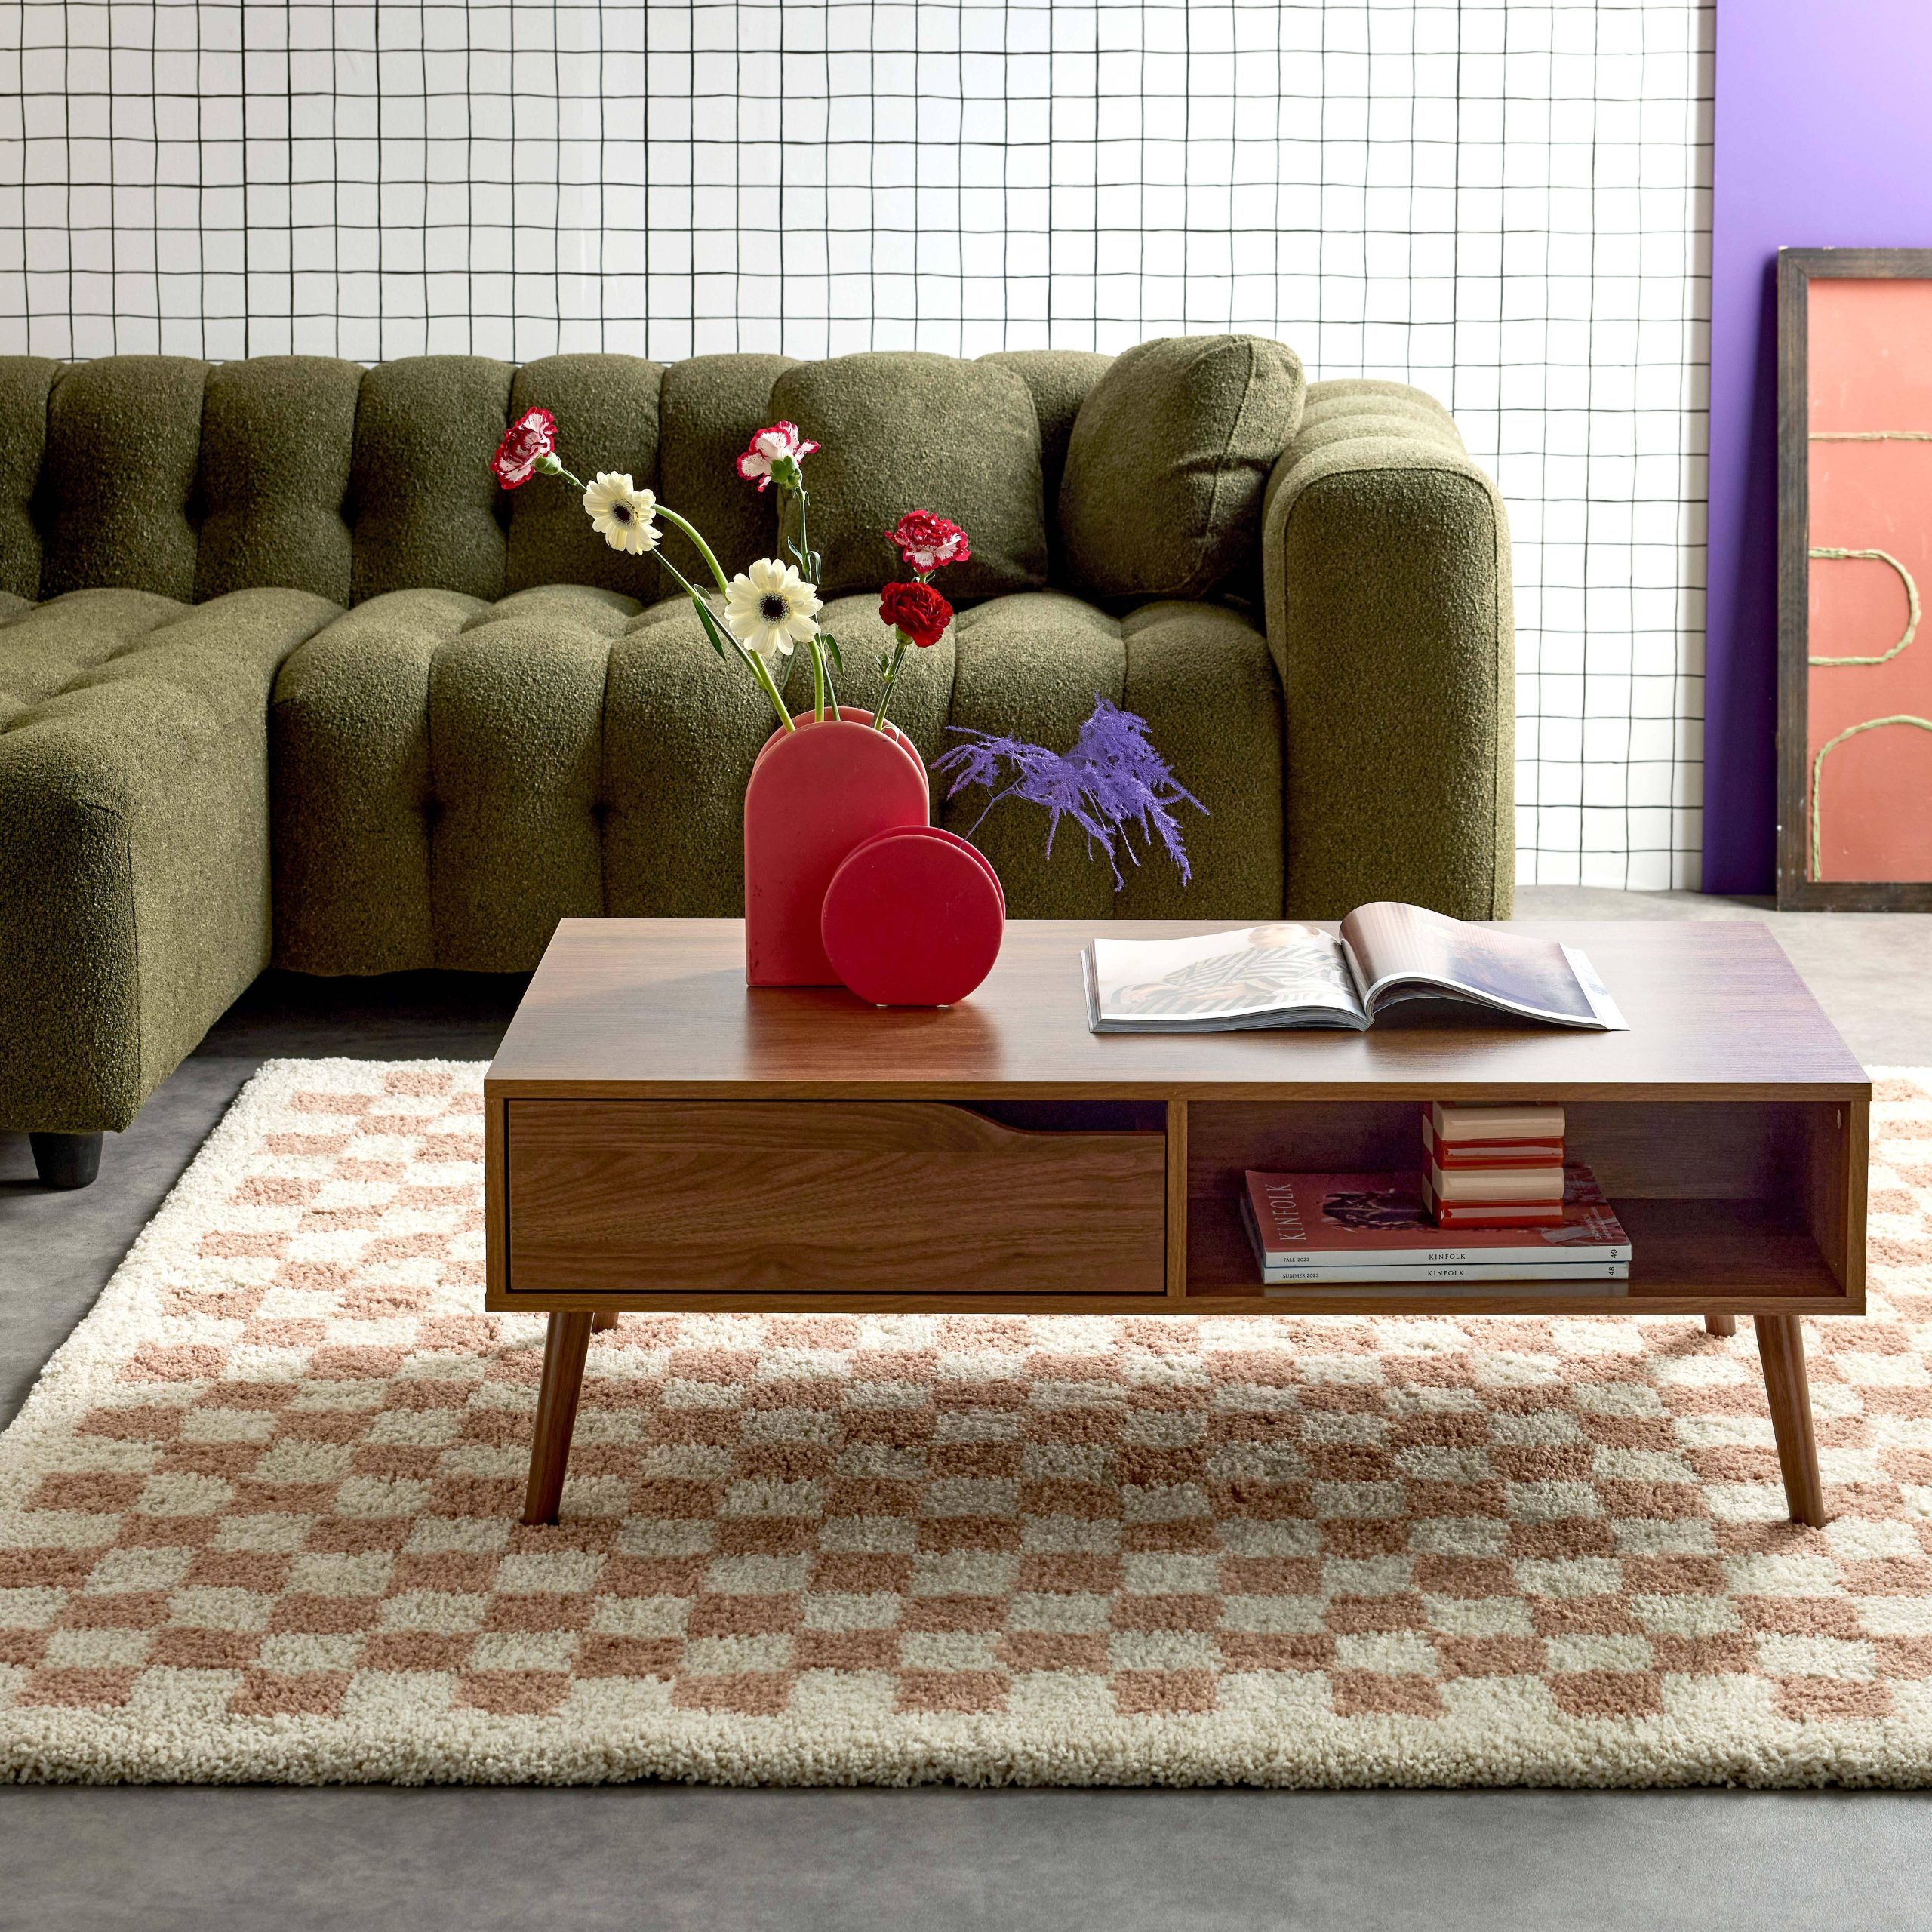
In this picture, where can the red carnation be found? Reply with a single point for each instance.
(918, 610)
(926, 542)
(533, 434)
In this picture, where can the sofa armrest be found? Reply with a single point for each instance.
(134, 853)
(1386, 566)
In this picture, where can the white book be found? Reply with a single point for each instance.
(1587, 1278)
(1557, 1271)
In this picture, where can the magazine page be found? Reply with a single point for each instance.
(1280, 974)
(1402, 953)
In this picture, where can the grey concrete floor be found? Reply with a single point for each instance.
(672, 1857)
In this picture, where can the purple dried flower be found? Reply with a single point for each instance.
(1111, 779)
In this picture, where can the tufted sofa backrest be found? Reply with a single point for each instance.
(192, 479)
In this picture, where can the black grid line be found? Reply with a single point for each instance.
(1504, 201)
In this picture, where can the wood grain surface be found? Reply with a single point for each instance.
(651, 1198)
(659, 1007)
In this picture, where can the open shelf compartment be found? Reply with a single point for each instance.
(1733, 1207)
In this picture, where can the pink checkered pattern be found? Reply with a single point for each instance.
(282, 1484)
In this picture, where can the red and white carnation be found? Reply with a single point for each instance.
(771, 449)
(926, 542)
(531, 437)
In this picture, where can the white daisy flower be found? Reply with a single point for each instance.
(768, 609)
(621, 513)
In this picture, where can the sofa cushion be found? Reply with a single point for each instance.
(349, 732)
(436, 776)
(902, 431)
(26, 383)
(1168, 460)
(426, 509)
(123, 438)
(43, 649)
(277, 432)
(713, 407)
(606, 408)
(1058, 380)
(516, 726)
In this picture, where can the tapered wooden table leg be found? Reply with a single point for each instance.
(1720, 1324)
(556, 1415)
(1781, 1348)
(598, 1323)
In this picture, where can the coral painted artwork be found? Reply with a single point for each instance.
(1868, 799)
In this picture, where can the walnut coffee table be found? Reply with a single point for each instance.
(658, 1136)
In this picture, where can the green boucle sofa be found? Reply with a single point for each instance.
(285, 679)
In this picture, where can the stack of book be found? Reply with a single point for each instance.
(1493, 1167)
(1373, 1232)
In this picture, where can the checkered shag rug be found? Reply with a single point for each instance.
(258, 1520)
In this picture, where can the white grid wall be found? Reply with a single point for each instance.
(1506, 204)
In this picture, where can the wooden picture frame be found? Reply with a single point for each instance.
(1800, 769)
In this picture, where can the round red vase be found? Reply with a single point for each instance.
(816, 792)
(913, 917)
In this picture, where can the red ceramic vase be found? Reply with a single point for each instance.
(815, 793)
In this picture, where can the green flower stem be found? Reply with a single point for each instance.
(703, 548)
(761, 671)
(801, 554)
(549, 465)
(716, 631)
(891, 675)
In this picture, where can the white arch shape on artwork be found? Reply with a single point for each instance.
(1818, 771)
(1911, 603)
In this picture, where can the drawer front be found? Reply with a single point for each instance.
(757, 1197)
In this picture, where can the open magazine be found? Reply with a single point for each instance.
(1385, 955)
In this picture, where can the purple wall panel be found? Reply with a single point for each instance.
(1823, 138)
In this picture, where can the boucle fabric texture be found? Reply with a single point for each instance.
(257, 1521)
(134, 838)
(1384, 554)
(278, 444)
(607, 411)
(451, 777)
(902, 430)
(1168, 458)
(123, 443)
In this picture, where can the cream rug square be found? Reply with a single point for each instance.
(257, 1520)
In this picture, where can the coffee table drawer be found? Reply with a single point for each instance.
(638, 1197)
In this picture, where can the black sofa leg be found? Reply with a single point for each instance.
(66, 1160)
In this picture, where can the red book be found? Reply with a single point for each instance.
(1496, 1187)
(1467, 1214)
(1458, 1154)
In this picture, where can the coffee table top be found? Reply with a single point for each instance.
(643, 1007)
